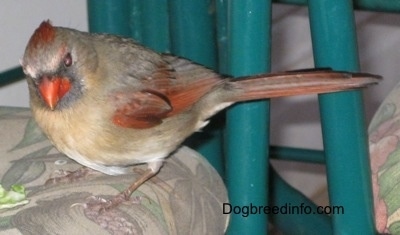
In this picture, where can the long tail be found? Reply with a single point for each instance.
(299, 83)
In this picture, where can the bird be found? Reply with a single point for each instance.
(110, 103)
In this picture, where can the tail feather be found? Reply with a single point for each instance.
(299, 83)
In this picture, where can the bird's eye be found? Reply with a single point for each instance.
(68, 60)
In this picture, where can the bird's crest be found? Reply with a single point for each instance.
(44, 34)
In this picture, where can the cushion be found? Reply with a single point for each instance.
(384, 143)
(186, 197)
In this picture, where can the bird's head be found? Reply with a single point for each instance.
(52, 62)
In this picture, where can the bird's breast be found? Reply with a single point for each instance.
(90, 138)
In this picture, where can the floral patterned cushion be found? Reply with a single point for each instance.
(186, 197)
(384, 144)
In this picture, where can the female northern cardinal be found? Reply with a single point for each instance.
(108, 102)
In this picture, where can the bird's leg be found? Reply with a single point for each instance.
(152, 169)
(70, 176)
(100, 204)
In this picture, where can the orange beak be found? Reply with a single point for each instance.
(53, 89)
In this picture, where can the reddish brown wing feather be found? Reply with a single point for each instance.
(183, 92)
(142, 109)
(167, 95)
(183, 97)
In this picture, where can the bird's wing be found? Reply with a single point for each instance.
(172, 88)
(140, 109)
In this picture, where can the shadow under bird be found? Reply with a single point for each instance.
(109, 103)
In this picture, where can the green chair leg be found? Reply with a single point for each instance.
(249, 30)
(342, 116)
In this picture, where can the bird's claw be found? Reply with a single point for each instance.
(103, 212)
(100, 204)
(69, 176)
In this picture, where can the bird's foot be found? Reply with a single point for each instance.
(104, 213)
(101, 204)
(69, 176)
(98, 205)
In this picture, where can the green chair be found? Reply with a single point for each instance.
(234, 37)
